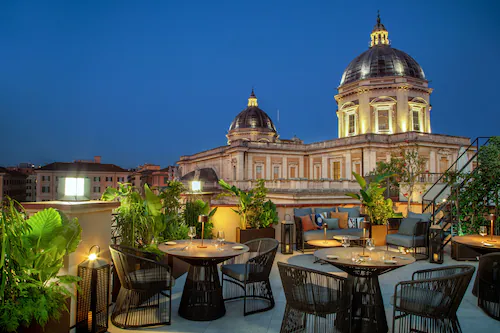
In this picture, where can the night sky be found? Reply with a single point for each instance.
(148, 81)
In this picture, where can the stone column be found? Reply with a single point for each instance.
(404, 122)
(348, 165)
(432, 161)
(284, 168)
(324, 167)
(311, 168)
(268, 168)
(300, 172)
(240, 166)
(249, 166)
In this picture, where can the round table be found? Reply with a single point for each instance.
(202, 295)
(323, 243)
(368, 313)
(470, 247)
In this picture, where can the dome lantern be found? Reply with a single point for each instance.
(379, 35)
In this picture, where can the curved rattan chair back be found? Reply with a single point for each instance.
(429, 302)
(144, 285)
(309, 292)
(262, 252)
(488, 284)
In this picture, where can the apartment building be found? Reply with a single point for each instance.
(101, 176)
(12, 184)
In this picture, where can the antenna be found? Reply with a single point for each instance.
(278, 111)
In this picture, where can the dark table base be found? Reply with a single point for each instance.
(368, 313)
(202, 295)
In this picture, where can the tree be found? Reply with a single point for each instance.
(411, 165)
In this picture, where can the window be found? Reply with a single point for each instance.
(258, 171)
(416, 120)
(97, 179)
(45, 189)
(351, 124)
(443, 164)
(57, 178)
(109, 179)
(276, 172)
(234, 172)
(165, 180)
(336, 170)
(293, 171)
(357, 168)
(383, 121)
(97, 189)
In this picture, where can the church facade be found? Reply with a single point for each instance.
(383, 104)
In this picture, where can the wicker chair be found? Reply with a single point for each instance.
(429, 302)
(247, 276)
(315, 301)
(488, 284)
(146, 287)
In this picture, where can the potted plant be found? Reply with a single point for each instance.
(32, 294)
(257, 215)
(378, 209)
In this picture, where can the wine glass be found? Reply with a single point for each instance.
(345, 242)
(220, 238)
(482, 231)
(370, 246)
(192, 233)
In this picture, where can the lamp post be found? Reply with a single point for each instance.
(92, 309)
(202, 219)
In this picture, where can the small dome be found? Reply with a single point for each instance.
(380, 61)
(252, 117)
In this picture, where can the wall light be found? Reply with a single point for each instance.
(196, 186)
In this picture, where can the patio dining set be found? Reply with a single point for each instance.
(316, 301)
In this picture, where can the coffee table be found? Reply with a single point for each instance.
(322, 243)
(202, 295)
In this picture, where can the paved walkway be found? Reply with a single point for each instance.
(471, 317)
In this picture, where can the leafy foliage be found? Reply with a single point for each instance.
(32, 255)
(253, 208)
(371, 196)
(140, 219)
(193, 209)
(480, 192)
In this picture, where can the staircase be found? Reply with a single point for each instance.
(441, 198)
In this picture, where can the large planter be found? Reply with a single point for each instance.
(378, 233)
(245, 235)
(52, 326)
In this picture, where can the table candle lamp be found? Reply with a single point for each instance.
(492, 229)
(325, 226)
(202, 219)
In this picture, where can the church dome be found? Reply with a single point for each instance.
(252, 118)
(381, 60)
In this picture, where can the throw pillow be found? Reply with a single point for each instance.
(324, 210)
(424, 217)
(342, 219)
(307, 223)
(332, 223)
(302, 211)
(353, 211)
(319, 217)
(407, 226)
(355, 222)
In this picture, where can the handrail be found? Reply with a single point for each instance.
(475, 143)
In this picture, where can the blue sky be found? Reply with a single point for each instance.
(148, 81)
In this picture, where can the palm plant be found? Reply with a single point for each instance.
(371, 196)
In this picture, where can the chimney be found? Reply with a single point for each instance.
(97, 159)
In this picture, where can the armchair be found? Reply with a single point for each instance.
(247, 276)
(315, 301)
(412, 234)
(145, 283)
(429, 302)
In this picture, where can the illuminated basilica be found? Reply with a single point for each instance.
(383, 104)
